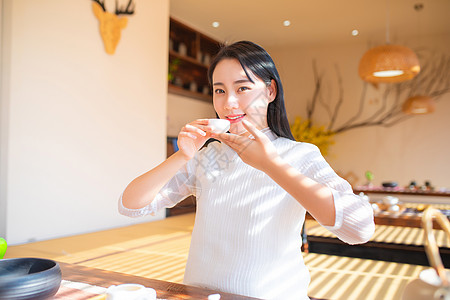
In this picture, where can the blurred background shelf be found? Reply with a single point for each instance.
(190, 53)
(178, 90)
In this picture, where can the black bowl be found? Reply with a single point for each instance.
(29, 278)
(389, 184)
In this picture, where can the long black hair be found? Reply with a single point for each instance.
(254, 58)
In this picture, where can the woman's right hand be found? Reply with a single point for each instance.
(143, 189)
(192, 137)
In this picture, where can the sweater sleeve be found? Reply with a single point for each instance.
(178, 188)
(354, 222)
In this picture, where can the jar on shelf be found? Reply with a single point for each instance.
(206, 59)
(199, 56)
(178, 82)
(193, 86)
(182, 49)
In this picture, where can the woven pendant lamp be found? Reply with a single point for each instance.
(419, 105)
(388, 63)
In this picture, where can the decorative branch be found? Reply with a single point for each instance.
(437, 94)
(340, 99)
(361, 106)
(436, 81)
(433, 80)
(318, 84)
(325, 106)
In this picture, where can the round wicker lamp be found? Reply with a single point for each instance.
(388, 63)
(419, 105)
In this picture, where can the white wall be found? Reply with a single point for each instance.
(3, 122)
(81, 123)
(415, 149)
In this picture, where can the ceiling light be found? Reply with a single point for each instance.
(215, 24)
(287, 23)
(419, 105)
(388, 63)
(388, 73)
(355, 32)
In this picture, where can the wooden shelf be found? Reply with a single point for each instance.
(177, 90)
(189, 54)
(188, 59)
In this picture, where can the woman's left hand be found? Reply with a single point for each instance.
(257, 151)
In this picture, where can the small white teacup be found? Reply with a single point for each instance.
(390, 200)
(130, 291)
(219, 125)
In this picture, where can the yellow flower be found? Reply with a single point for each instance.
(304, 131)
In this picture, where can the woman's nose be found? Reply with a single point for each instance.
(232, 102)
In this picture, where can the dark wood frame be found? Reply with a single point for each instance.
(164, 289)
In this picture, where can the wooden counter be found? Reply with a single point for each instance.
(405, 195)
(410, 215)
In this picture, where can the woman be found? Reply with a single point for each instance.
(253, 187)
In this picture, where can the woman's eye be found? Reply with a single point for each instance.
(243, 88)
(219, 91)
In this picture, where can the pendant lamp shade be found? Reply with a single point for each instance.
(419, 105)
(388, 63)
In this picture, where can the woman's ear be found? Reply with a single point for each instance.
(272, 89)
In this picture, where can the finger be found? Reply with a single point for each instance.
(195, 129)
(238, 143)
(205, 128)
(252, 129)
(232, 145)
(202, 124)
(201, 121)
(187, 134)
(226, 137)
(219, 136)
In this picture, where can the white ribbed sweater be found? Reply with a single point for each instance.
(246, 238)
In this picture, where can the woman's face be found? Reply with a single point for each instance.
(236, 98)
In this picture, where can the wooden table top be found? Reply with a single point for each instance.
(164, 289)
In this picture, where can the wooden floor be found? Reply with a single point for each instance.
(159, 250)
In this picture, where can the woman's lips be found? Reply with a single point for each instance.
(235, 118)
